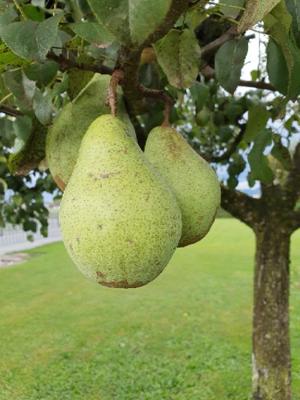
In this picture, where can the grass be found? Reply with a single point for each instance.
(186, 336)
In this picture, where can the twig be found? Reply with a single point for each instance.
(112, 100)
(231, 150)
(177, 8)
(5, 98)
(209, 73)
(19, 8)
(66, 63)
(257, 85)
(216, 44)
(13, 112)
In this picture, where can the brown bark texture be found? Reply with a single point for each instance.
(271, 358)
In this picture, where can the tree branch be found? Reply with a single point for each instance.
(240, 206)
(177, 8)
(67, 63)
(209, 73)
(257, 84)
(213, 46)
(231, 149)
(129, 59)
(13, 112)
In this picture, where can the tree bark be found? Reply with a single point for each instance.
(271, 345)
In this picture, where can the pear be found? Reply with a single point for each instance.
(279, 172)
(65, 135)
(120, 223)
(191, 178)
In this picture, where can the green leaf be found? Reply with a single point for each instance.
(8, 59)
(178, 55)
(232, 8)
(130, 21)
(42, 106)
(200, 95)
(293, 7)
(229, 62)
(33, 13)
(277, 67)
(93, 32)
(8, 14)
(21, 87)
(42, 73)
(255, 11)
(236, 167)
(30, 225)
(31, 154)
(195, 15)
(260, 169)
(7, 133)
(84, 7)
(278, 26)
(22, 128)
(31, 40)
(257, 119)
(77, 79)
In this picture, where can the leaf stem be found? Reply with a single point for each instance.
(5, 98)
(19, 8)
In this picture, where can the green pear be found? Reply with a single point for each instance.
(120, 222)
(280, 173)
(191, 178)
(65, 135)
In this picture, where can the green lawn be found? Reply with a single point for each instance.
(186, 336)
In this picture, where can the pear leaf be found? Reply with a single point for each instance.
(255, 11)
(133, 21)
(232, 8)
(257, 119)
(229, 62)
(258, 161)
(92, 32)
(178, 55)
(30, 39)
(283, 56)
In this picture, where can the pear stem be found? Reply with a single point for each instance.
(112, 98)
(167, 113)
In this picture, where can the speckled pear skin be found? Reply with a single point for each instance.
(65, 135)
(120, 223)
(191, 178)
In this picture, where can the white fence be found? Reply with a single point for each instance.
(14, 238)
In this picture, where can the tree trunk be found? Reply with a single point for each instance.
(271, 344)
